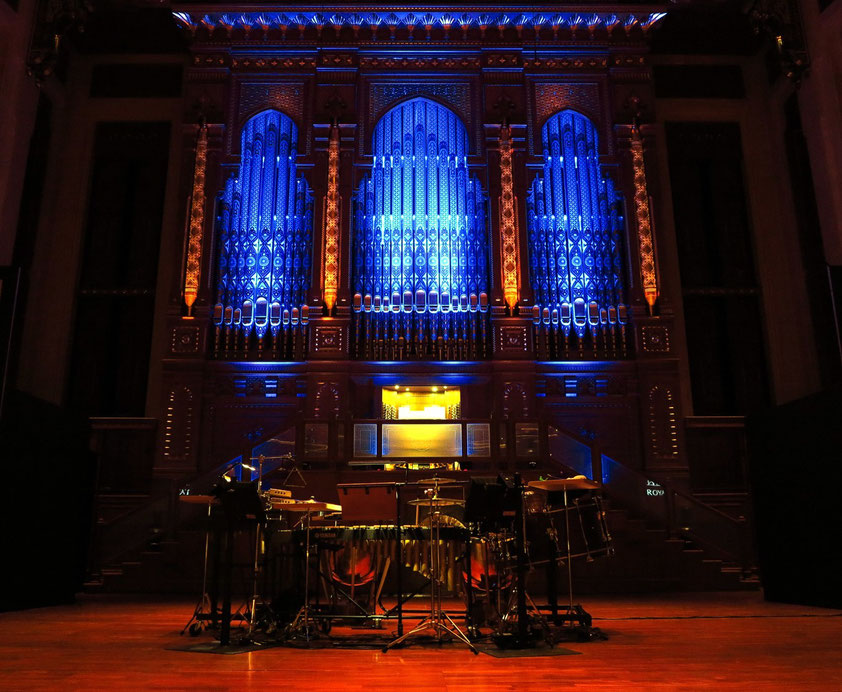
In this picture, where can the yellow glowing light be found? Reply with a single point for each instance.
(435, 389)
(421, 403)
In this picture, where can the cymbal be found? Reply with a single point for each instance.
(558, 484)
(198, 499)
(436, 481)
(306, 506)
(436, 502)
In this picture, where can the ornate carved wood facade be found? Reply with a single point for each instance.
(422, 267)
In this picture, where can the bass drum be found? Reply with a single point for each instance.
(492, 560)
(351, 566)
(547, 532)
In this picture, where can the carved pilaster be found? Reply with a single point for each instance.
(648, 275)
(509, 237)
(192, 273)
(331, 216)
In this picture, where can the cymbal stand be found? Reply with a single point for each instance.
(569, 557)
(194, 624)
(304, 620)
(438, 620)
(256, 570)
(520, 602)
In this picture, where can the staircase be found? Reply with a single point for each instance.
(648, 559)
(663, 538)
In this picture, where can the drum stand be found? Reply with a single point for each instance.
(304, 621)
(532, 611)
(575, 612)
(438, 620)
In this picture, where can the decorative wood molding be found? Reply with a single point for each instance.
(649, 279)
(509, 236)
(195, 239)
(331, 234)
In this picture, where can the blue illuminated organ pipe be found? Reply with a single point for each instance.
(420, 265)
(265, 225)
(575, 225)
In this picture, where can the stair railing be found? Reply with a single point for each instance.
(682, 514)
(144, 526)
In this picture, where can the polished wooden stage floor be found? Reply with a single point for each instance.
(721, 641)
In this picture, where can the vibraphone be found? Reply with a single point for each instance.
(353, 563)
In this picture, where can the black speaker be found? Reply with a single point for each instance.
(795, 458)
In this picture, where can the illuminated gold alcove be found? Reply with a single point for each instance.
(425, 402)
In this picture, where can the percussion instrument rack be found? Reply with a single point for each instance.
(516, 620)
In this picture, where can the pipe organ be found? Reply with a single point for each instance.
(265, 236)
(575, 225)
(420, 241)
(466, 202)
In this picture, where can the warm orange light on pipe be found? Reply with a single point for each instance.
(509, 240)
(649, 279)
(197, 221)
(331, 254)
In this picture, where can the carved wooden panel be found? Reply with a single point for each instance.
(515, 401)
(178, 432)
(383, 95)
(329, 340)
(287, 98)
(185, 340)
(663, 423)
(513, 340)
(580, 96)
(327, 400)
(550, 97)
(655, 338)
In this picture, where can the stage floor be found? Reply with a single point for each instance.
(721, 641)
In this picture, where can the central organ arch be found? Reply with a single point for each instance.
(420, 228)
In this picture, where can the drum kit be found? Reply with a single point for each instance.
(508, 530)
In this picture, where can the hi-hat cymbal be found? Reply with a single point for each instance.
(436, 502)
(436, 481)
